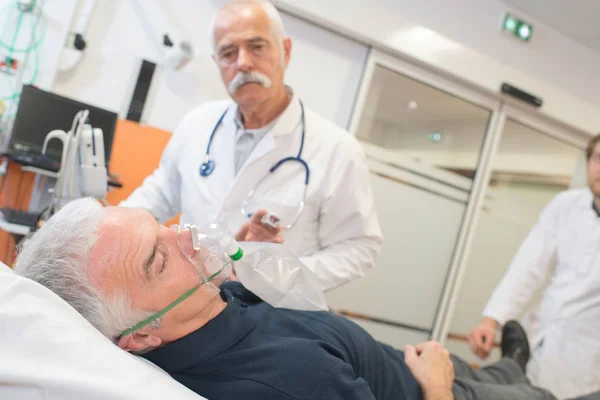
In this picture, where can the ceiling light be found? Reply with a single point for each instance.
(412, 105)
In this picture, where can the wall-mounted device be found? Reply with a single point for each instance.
(521, 95)
(173, 52)
(517, 28)
(9, 65)
(72, 53)
(141, 90)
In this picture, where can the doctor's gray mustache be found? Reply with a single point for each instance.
(248, 77)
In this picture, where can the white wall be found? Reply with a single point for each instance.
(117, 40)
(462, 38)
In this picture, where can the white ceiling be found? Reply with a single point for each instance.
(577, 19)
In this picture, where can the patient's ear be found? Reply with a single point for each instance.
(138, 341)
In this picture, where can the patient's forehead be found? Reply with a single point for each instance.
(125, 235)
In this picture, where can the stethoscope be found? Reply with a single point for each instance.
(208, 166)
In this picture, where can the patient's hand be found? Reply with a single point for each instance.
(256, 231)
(431, 366)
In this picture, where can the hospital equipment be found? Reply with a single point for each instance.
(72, 54)
(208, 166)
(173, 51)
(273, 273)
(40, 112)
(82, 171)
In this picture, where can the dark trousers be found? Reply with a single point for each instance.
(591, 396)
(503, 380)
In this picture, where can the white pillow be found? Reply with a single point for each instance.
(49, 351)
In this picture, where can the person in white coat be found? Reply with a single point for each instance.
(566, 347)
(223, 150)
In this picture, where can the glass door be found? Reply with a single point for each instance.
(531, 166)
(423, 138)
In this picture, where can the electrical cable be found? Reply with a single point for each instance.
(2, 184)
(38, 34)
(70, 161)
(32, 46)
(15, 204)
(23, 193)
(7, 247)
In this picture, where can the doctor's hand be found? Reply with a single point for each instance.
(255, 231)
(432, 368)
(481, 339)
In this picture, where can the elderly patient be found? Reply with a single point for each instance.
(118, 267)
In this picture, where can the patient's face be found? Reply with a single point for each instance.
(141, 257)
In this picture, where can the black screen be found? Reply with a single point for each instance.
(40, 112)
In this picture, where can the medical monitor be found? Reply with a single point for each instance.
(40, 112)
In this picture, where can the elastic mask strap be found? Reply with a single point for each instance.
(213, 276)
(172, 305)
(160, 313)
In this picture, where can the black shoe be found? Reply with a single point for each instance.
(515, 344)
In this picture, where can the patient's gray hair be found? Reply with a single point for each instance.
(56, 257)
(277, 27)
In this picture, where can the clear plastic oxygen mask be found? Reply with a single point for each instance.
(211, 250)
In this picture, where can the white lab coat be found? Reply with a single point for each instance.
(337, 235)
(566, 347)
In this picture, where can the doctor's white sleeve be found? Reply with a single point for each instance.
(160, 192)
(349, 232)
(528, 269)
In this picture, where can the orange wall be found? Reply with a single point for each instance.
(15, 192)
(136, 154)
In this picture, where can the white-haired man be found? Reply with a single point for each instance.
(223, 150)
(143, 287)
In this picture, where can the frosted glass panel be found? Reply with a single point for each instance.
(422, 122)
(423, 146)
(420, 229)
(529, 169)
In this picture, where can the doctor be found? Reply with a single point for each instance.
(566, 350)
(224, 161)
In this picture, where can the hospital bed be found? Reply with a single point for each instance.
(49, 351)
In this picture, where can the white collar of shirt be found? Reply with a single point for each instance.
(586, 202)
(284, 124)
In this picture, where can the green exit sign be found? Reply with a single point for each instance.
(517, 27)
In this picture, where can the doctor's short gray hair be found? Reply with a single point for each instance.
(277, 27)
(57, 257)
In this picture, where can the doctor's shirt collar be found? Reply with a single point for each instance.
(284, 124)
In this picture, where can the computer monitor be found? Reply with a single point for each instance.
(40, 112)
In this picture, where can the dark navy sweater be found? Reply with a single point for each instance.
(255, 351)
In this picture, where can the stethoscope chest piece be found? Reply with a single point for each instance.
(207, 168)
